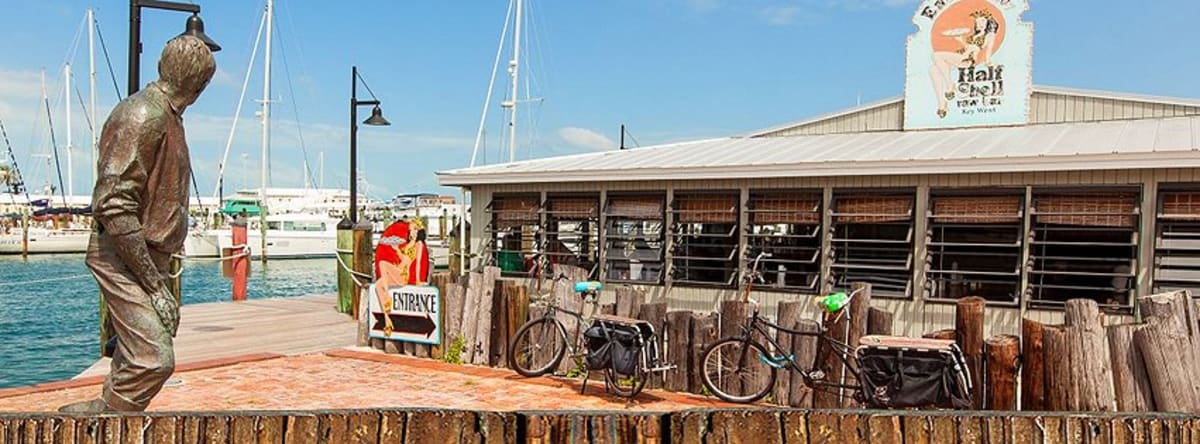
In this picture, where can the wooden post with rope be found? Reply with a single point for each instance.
(345, 254)
(240, 262)
(364, 261)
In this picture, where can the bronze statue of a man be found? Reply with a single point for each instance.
(140, 205)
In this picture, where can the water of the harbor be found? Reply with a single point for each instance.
(49, 328)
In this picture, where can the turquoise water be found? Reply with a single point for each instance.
(49, 317)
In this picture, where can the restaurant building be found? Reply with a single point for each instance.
(975, 183)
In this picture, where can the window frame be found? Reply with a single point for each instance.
(492, 232)
(775, 217)
(731, 236)
(1037, 276)
(931, 284)
(593, 237)
(1162, 249)
(608, 238)
(838, 244)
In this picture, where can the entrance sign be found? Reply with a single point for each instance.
(968, 64)
(414, 314)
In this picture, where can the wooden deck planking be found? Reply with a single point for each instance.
(287, 326)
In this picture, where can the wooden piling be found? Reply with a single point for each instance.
(1056, 368)
(804, 348)
(1003, 360)
(345, 252)
(704, 332)
(656, 314)
(1162, 349)
(788, 314)
(879, 322)
(679, 335)
(859, 312)
(629, 301)
(1033, 386)
(1130, 382)
(1089, 356)
(175, 279)
(968, 333)
(24, 235)
(364, 258)
(239, 266)
(827, 360)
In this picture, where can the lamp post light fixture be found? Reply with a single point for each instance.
(376, 119)
(194, 27)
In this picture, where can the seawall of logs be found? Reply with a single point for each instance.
(690, 426)
(1082, 365)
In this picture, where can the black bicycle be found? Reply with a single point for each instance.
(891, 372)
(625, 349)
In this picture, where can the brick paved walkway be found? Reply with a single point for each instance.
(359, 378)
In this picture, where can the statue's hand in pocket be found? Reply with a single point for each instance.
(167, 309)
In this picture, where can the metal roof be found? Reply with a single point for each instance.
(1041, 89)
(1125, 144)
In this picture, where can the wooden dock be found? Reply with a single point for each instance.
(287, 326)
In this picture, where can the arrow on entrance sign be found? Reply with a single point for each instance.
(417, 325)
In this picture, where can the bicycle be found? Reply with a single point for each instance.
(626, 349)
(740, 369)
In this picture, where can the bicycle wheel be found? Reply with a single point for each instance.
(537, 347)
(625, 385)
(736, 370)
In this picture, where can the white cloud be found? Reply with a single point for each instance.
(586, 138)
(781, 15)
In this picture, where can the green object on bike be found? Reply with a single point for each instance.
(833, 302)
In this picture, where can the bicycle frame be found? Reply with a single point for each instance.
(788, 361)
(760, 325)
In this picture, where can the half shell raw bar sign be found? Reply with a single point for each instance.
(413, 314)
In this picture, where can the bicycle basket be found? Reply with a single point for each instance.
(906, 374)
(613, 345)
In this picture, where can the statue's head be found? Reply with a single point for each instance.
(186, 66)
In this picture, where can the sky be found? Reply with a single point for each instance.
(670, 70)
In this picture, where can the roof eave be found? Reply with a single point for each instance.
(1115, 161)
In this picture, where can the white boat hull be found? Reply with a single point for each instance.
(47, 242)
(286, 244)
(201, 244)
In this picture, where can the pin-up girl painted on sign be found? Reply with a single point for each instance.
(401, 258)
(966, 34)
(968, 65)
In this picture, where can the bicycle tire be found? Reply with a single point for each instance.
(616, 382)
(544, 327)
(712, 355)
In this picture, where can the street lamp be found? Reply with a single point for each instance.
(376, 119)
(194, 27)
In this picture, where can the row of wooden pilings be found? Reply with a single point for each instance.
(758, 426)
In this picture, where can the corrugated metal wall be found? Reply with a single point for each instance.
(1043, 108)
(913, 317)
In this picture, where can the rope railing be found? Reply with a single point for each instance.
(39, 281)
(245, 252)
(354, 274)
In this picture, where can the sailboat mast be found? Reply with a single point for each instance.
(91, 18)
(266, 132)
(67, 105)
(515, 67)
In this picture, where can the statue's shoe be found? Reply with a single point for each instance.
(92, 406)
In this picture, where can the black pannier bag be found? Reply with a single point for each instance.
(907, 373)
(613, 345)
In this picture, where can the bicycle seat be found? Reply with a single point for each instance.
(588, 286)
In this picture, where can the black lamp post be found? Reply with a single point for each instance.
(376, 119)
(194, 27)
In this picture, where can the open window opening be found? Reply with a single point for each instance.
(973, 246)
(1084, 245)
(1177, 241)
(787, 226)
(872, 242)
(513, 234)
(705, 239)
(572, 231)
(633, 239)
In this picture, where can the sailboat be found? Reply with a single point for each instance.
(284, 223)
(51, 229)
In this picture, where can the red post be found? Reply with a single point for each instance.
(241, 264)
